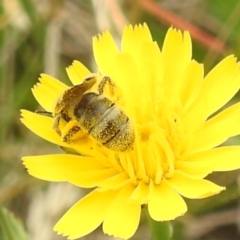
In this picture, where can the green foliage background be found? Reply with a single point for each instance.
(46, 36)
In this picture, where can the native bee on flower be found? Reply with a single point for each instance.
(80, 111)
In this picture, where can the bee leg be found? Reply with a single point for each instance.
(56, 124)
(71, 134)
(69, 131)
(103, 83)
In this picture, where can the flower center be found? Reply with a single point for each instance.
(158, 145)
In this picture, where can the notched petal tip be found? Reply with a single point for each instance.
(175, 33)
(105, 50)
(24, 114)
(102, 36)
(43, 75)
(24, 159)
(139, 32)
(61, 233)
(172, 30)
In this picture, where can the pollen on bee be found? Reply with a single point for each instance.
(72, 132)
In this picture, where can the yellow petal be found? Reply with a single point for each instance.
(48, 91)
(219, 86)
(105, 51)
(123, 216)
(116, 181)
(133, 39)
(126, 71)
(199, 168)
(91, 178)
(218, 129)
(221, 158)
(193, 188)
(192, 80)
(86, 215)
(227, 158)
(77, 72)
(149, 83)
(177, 53)
(164, 203)
(63, 167)
(141, 193)
(194, 118)
(45, 167)
(41, 126)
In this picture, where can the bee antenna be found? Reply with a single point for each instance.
(44, 113)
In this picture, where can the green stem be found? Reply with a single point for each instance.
(160, 230)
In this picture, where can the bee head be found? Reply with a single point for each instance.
(70, 98)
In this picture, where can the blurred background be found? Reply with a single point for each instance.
(46, 36)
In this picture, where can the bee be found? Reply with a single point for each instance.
(82, 111)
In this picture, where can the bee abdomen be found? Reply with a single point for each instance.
(114, 130)
(104, 121)
(90, 109)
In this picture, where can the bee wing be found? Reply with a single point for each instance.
(74, 95)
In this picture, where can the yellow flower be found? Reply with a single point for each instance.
(171, 106)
